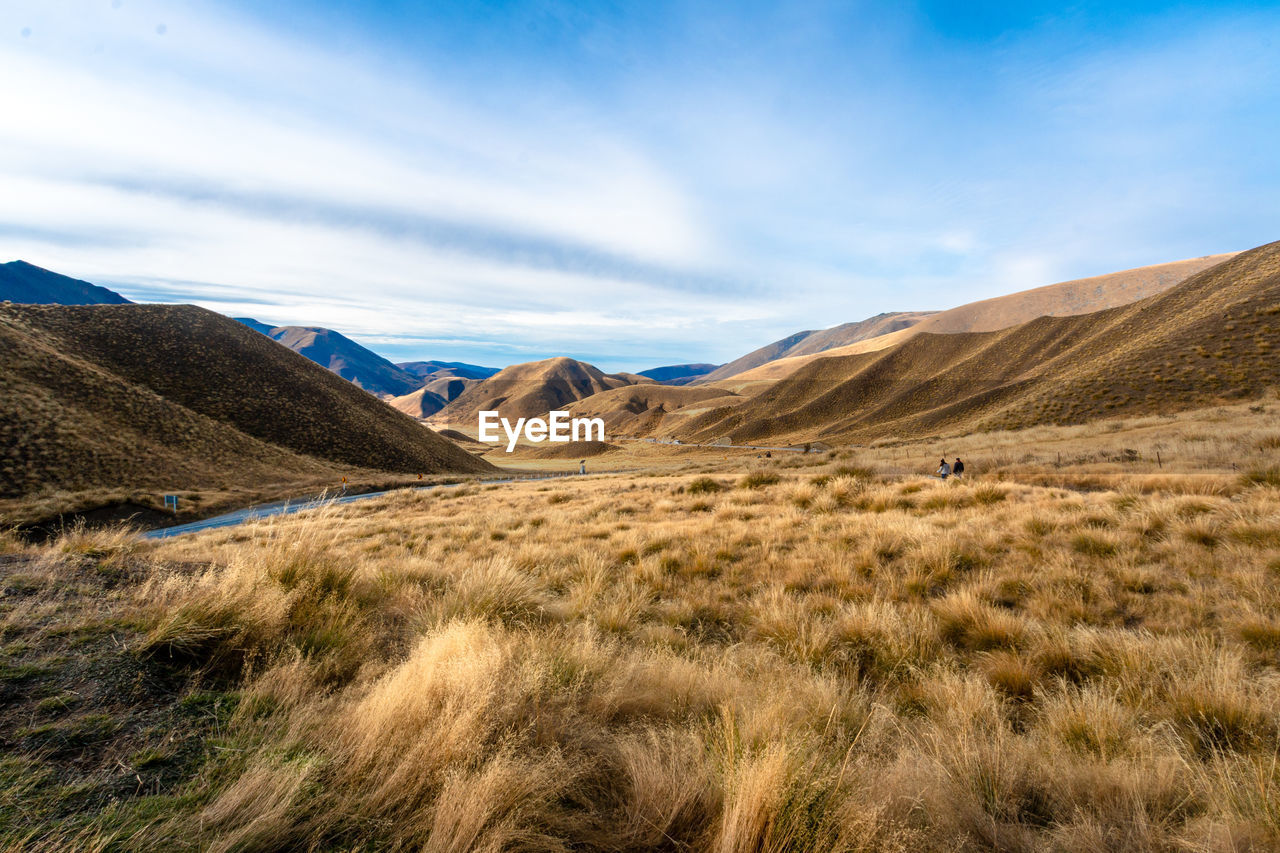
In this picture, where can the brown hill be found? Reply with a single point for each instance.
(461, 438)
(567, 450)
(433, 396)
(531, 390)
(1213, 337)
(815, 341)
(420, 404)
(642, 410)
(1064, 299)
(177, 397)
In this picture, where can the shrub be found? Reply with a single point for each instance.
(1092, 546)
(705, 486)
(1262, 477)
(759, 479)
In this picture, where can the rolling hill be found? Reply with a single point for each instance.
(1212, 337)
(815, 341)
(643, 410)
(29, 284)
(433, 396)
(343, 356)
(177, 397)
(531, 390)
(1064, 299)
(678, 374)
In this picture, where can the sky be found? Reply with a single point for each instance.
(631, 184)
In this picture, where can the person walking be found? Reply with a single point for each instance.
(582, 467)
(958, 468)
(944, 470)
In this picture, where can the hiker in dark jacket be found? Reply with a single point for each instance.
(958, 468)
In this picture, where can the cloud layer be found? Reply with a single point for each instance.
(630, 188)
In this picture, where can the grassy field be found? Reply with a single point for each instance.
(712, 652)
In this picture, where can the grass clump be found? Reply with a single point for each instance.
(705, 486)
(759, 479)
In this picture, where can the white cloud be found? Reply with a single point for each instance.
(697, 208)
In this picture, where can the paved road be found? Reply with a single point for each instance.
(252, 513)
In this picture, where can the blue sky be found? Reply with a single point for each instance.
(632, 184)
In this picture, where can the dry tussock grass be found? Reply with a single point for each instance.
(804, 655)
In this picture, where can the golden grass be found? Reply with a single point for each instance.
(809, 652)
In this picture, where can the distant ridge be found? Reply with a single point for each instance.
(815, 341)
(531, 390)
(1210, 338)
(343, 356)
(678, 374)
(29, 284)
(1064, 299)
(436, 369)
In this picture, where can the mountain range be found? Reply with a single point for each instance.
(1209, 338)
(1068, 298)
(1153, 338)
(678, 374)
(816, 341)
(532, 389)
(439, 369)
(343, 356)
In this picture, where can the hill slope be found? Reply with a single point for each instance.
(433, 396)
(642, 410)
(29, 284)
(815, 341)
(174, 396)
(347, 358)
(1212, 337)
(531, 390)
(1064, 299)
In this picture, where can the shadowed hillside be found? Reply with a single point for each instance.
(531, 390)
(419, 404)
(433, 396)
(641, 410)
(1064, 299)
(346, 358)
(29, 284)
(815, 341)
(180, 397)
(1211, 338)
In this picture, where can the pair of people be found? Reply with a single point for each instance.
(945, 470)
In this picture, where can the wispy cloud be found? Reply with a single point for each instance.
(665, 184)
